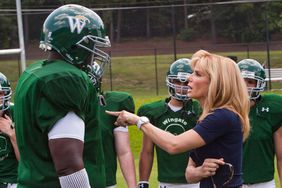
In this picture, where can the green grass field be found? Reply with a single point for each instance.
(141, 77)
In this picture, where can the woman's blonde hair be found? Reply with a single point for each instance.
(227, 88)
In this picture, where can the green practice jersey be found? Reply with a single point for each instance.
(45, 93)
(8, 160)
(93, 155)
(171, 168)
(115, 101)
(258, 153)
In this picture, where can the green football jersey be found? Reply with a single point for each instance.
(8, 160)
(171, 168)
(258, 150)
(115, 101)
(93, 155)
(45, 93)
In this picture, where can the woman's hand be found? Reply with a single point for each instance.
(124, 118)
(210, 166)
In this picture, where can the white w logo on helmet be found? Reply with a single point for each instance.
(77, 23)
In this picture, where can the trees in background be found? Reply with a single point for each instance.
(194, 19)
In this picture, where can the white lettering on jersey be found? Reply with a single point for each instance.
(175, 128)
(174, 120)
(77, 23)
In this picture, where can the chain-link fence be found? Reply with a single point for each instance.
(147, 38)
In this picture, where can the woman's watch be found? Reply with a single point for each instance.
(142, 120)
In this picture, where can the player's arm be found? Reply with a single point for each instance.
(146, 160)
(194, 174)
(173, 144)
(66, 142)
(125, 156)
(278, 152)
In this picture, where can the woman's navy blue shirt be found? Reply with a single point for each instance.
(222, 132)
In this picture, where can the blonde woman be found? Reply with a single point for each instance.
(218, 136)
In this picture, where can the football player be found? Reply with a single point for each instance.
(55, 102)
(115, 139)
(262, 145)
(9, 153)
(176, 115)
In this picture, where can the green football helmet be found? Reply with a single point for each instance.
(76, 33)
(178, 73)
(5, 92)
(94, 73)
(252, 69)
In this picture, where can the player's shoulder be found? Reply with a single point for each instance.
(117, 96)
(272, 96)
(195, 106)
(271, 101)
(153, 107)
(55, 69)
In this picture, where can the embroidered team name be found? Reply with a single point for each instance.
(77, 23)
(174, 120)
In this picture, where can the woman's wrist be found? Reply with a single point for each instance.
(142, 120)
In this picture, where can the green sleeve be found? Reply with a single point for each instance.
(59, 96)
(128, 104)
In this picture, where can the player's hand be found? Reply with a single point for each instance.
(124, 118)
(210, 166)
(6, 126)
